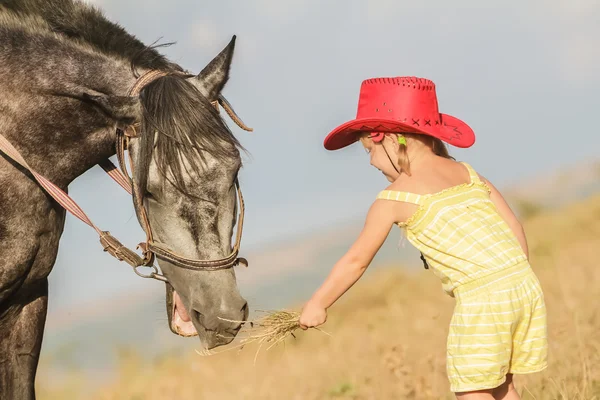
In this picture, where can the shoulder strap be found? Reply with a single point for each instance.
(474, 176)
(406, 197)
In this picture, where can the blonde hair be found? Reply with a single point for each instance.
(438, 147)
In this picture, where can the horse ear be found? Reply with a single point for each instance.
(215, 75)
(123, 109)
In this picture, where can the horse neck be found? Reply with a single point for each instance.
(64, 137)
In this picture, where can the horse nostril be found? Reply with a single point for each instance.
(197, 315)
(245, 311)
(209, 322)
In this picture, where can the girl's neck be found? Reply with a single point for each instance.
(420, 155)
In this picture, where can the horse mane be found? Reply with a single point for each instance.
(86, 24)
(179, 124)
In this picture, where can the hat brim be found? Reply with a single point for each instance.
(451, 130)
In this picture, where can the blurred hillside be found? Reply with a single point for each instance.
(388, 334)
(388, 338)
(531, 195)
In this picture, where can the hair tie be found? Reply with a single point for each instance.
(401, 140)
(377, 136)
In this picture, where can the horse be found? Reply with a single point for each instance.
(76, 89)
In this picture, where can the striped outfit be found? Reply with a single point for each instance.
(499, 321)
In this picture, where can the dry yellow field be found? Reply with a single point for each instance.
(388, 338)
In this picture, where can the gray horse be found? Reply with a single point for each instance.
(65, 75)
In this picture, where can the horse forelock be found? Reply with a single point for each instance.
(180, 129)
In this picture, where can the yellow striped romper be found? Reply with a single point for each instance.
(499, 321)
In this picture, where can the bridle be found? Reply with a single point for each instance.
(151, 249)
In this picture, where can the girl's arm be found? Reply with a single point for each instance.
(353, 264)
(507, 214)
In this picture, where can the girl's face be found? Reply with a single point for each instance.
(379, 158)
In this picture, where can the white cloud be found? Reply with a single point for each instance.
(204, 34)
(575, 29)
(579, 58)
(390, 10)
(247, 48)
(283, 11)
(575, 8)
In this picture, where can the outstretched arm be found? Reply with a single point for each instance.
(352, 265)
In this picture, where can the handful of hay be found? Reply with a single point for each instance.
(271, 329)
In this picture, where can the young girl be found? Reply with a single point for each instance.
(459, 221)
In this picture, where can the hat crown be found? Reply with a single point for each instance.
(409, 99)
(403, 104)
(406, 81)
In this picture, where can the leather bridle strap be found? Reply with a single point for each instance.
(162, 251)
(115, 248)
(109, 243)
(150, 247)
(222, 101)
(57, 193)
(145, 79)
(158, 249)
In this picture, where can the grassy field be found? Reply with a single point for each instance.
(388, 338)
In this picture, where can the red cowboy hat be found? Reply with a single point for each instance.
(400, 105)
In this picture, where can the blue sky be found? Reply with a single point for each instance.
(522, 74)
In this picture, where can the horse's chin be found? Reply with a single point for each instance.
(180, 322)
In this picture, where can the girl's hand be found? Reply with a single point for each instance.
(312, 316)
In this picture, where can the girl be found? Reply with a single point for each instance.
(461, 224)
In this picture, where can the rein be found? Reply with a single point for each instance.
(150, 248)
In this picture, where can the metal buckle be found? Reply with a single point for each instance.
(155, 274)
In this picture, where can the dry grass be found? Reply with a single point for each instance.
(271, 329)
(389, 338)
